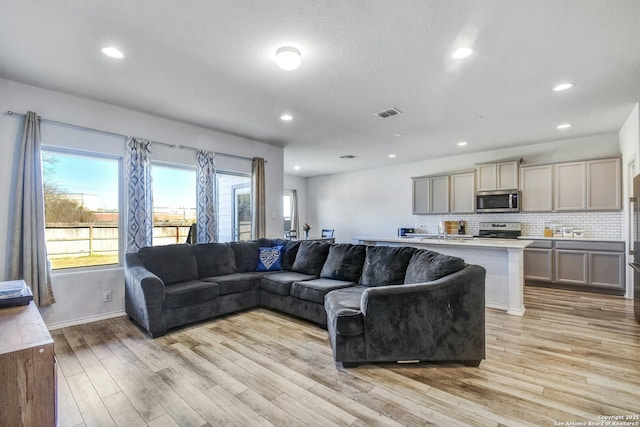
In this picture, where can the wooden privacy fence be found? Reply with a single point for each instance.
(85, 240)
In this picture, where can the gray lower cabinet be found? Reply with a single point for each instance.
(538, 262)
(589, 265)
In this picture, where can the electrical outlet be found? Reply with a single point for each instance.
(106, 296)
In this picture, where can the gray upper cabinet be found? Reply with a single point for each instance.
(439, 194)
(592, 185)
(420, 196)
(570, 186)
(537, 190)
(603, 185)
(430, 195)
(463, 193)
(498, 176)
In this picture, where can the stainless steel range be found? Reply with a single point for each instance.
(500, 230)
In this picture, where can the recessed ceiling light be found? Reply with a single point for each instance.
(462, 143)
(392, 156)
(288, 58)
(563, 86)
(564, 126)
(461, 53)
(112, 52)
(286, 117)
(296, 167)
(397, 134)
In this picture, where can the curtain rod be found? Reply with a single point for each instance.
(105, 132)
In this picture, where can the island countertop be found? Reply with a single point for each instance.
(476, 242)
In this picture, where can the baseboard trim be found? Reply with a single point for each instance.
(84, 320)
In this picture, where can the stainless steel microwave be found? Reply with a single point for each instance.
(498, 201)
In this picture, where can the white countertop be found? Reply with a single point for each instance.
(460, 242)
(576, 239)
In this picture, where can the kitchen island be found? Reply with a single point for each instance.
(502, 258)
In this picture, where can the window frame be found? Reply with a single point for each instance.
(233, 207)
(121, 205)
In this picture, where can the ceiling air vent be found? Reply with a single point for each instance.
(393, 111)
(348, 157)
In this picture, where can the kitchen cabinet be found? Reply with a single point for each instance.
(498, 176)
(570, 186)
(463, 196)
(536, 188)
(597, 266)
(603, 185)
(27, 368)
(430, 195)
(538, 261)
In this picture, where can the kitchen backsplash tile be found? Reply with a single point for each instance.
(600, 225)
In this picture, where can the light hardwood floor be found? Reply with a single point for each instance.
(572, 357)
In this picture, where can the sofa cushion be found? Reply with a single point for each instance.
(214, 259)
(236, 282)
(344, 262)
(246, 254)
(426, 266)
(289, 252)
(315, 290)
(343, 310)
(265, 243)
(270, 258)
(385, 265)
(311, 257)
(189, 293)
(171, 263)
(280, 282)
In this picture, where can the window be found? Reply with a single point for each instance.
(287, 208)
(81, 196)
(174, 203)
(234, 206)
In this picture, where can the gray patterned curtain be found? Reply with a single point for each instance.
(28, 257)
(206, 197)
(140, 200)
(258, 199)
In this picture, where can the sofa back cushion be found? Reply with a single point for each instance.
(344, 262)
(426, 266)
(385, 265)
(311, 257)
(289, 252)
(214, 259)
(246, 254)
(171, 263)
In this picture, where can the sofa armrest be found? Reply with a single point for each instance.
(144, 296)
(443, 319)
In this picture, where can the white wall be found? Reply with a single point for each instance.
(79, 294)
(629, 137)
(376, 202)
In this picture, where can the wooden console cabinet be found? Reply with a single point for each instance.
(27, 369)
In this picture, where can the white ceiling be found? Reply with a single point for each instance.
(211, 63)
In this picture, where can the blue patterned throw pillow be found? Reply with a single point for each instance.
(270, 259)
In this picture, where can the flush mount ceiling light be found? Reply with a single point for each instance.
(392, 156)
(564, 126)
(288, 58)
(462, 52)
(286, 117)
(112, 52)
(462, 143)
(296, 167)
(562, 86)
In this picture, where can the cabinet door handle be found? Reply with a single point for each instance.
(633, 216)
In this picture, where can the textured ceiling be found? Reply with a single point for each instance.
(211, 63)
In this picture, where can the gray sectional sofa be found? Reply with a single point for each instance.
(378, 303)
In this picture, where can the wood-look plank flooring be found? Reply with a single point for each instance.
(572, 357)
